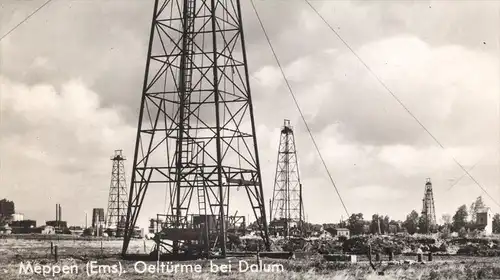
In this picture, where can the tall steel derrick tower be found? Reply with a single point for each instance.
(287, 205)
(118, 198)
(196, 131)
(428, 211)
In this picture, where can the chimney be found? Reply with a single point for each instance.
(60, 213)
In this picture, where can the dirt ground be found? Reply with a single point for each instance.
(20, 259)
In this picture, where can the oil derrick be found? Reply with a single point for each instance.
(287, 207)
(196, 133)
(118, 199)
(428, 211)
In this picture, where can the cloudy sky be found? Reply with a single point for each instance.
(71, 78)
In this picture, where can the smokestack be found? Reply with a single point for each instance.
(60, 212)
(57, 212)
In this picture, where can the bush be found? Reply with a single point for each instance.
(342, 238)
(445, 233)
(475, 234)
(462, 232)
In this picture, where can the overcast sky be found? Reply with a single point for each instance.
(71, 78)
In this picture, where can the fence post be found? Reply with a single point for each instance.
(377, 257)
(51, 248)
(391, 256)
(55, 253)
(419, 257)
(429, 257)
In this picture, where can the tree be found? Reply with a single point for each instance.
(446, 219)
(462, 232)
(379, 221)
(460, 218)
(411, 222)
(445, 232)
(496, 223)
(7, 207)
(475, 207)
(423, 226)
(356, 223)
(342, 224)
(384, 224)
(374, 224)
(394, 227)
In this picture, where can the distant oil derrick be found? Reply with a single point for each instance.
(428, 210)
(118, 199)
(287, 211)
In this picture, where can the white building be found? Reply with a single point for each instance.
(17, 217)
(484, 220)
(47, 230)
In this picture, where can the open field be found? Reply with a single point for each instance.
(78, 254)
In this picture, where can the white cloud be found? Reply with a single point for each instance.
(269, 76)
(378, 192)
(58, 134)
(414, 160)
(41, 62)
(55, 137)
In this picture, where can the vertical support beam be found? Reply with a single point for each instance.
(265, 233)
(180, 131)
(129, 225)
(287, 183)
(118, 198)
(270, 210)
(301, 219)
(222, 222)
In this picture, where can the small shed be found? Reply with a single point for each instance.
(341, 232)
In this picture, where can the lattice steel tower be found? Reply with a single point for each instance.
(118, 198)
(428, 210)
(287, 204)
(196, 132)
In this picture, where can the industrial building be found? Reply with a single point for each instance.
(98, 220)
(24, 226)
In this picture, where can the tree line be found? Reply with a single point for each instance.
(461, 222)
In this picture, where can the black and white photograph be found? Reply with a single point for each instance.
(250, 139)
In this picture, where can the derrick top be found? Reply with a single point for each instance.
(118, 155)
(287, 127)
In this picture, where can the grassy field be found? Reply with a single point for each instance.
(76, 255)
